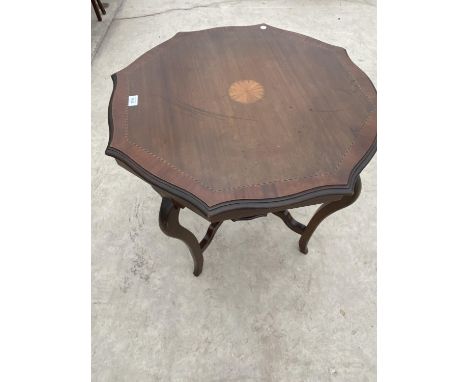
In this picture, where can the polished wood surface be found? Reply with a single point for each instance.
(238, 122)
(239, 117)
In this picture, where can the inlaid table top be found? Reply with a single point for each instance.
(243, 117)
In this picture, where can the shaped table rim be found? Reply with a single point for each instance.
(238, 208)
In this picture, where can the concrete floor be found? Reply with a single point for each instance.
(99, 28)
(260, 311)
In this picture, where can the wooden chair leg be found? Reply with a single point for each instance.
(103, 11)
(96, 10)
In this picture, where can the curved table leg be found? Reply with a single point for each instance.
(209, 235)
(169, 223)
(325, 210)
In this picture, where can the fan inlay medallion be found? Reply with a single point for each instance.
(236, 123)
(246, 91)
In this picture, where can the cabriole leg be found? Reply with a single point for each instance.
(169, 223)
(325, 210)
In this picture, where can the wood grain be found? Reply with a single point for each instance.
(206, 133)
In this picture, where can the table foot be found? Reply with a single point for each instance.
(169, 224)
(325, 210)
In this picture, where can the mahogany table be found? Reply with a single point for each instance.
(238, 122)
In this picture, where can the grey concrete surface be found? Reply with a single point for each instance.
(260, 311)
(100, 28)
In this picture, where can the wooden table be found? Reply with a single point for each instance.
(238, 122)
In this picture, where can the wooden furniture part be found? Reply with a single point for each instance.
(238, 122)
(98, 9)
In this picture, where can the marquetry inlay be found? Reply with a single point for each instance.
(246, 91)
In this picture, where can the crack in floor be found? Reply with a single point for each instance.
(177, 9)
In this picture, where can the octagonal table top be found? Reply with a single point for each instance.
(239, 116)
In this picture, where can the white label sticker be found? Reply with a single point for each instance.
(132, 100)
